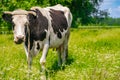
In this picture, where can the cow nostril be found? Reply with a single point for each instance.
(20, 37)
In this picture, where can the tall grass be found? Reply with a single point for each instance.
(94, 54)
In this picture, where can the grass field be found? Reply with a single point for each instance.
(94, 54)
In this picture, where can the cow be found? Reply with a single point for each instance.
(41, 29)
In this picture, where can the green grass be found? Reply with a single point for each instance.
(94, 54)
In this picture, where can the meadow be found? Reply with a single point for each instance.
(94, 54)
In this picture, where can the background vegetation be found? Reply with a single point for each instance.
(84, 11)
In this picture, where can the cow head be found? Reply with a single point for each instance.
(20, 20)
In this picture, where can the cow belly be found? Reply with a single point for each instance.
(56, 42)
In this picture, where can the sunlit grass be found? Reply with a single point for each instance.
(94, 54)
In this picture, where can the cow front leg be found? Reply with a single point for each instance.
(29, 58)
(29, 61)
(43, 61)
(43, 57)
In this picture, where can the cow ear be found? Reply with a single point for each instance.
(32, 15)
(7, 16)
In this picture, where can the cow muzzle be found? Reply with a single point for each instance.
(19, 39)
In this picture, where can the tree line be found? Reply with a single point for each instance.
(84, 11)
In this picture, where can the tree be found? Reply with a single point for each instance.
(84, 11)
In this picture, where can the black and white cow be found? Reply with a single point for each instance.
(41, 29)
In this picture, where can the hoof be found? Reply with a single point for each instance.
(43, 77)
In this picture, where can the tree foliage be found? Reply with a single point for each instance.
(84, 11)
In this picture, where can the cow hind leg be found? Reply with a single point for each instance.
(65, 49)
(62, 54)
(59, 56)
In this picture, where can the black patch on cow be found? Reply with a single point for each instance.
(59, 35)
(59, 22)
(38, 46)
(49, 40)
(38, 26)
(42, 35)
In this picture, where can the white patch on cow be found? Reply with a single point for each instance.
(34, 51)
(19, 25)
(55, 41)
(46, 30)
(26, 50)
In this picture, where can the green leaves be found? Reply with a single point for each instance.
(84, 11)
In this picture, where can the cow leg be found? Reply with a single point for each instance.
(43, 60)
(65, 49)
(43, 57)
(64, 54)
(59, 56)
(29, 58)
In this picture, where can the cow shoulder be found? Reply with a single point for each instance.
(39, 26)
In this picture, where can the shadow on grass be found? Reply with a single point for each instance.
(55, 68)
